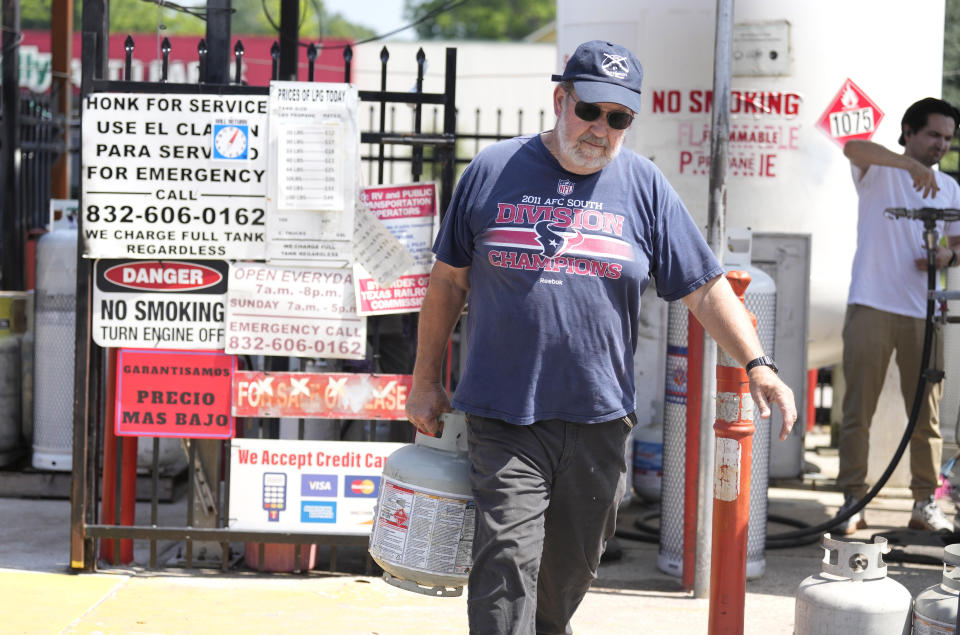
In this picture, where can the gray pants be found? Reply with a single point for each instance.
(547, 497)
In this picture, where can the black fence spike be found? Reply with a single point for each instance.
(165, 50)
(202, 54)
(238, 57)
(275, 55)
(421, 56)
(347, 58)
(311, 60)
(128, 58)
(384, 55)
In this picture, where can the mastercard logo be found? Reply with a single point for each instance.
(366, 486)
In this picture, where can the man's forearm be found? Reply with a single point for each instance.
(441, 309)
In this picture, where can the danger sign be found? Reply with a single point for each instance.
(183, 394)
(161, 304)
(850, 115)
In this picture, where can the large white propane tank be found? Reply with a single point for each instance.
(424, 522)
(935, 609)
(54, 350)
(852, 593)
(647, 461)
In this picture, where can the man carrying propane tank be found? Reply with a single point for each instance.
(886, 307)
(552, 238)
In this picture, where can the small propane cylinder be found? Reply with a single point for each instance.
(424, 521)
(935, 610)
(852, 593)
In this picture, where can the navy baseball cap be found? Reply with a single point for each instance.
(604, 71)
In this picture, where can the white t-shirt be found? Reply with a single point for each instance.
(884, 274)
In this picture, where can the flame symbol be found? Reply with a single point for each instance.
(849, 99)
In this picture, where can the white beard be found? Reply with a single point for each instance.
(587, 157)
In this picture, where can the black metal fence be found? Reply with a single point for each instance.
(424, 153)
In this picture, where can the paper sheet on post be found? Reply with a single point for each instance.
(378, 254)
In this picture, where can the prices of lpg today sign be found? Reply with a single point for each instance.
(183, 394)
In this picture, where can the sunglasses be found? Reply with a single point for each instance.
(616, 119)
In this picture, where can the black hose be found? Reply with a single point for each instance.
(911, 424)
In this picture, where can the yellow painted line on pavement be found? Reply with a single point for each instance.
(50, 602)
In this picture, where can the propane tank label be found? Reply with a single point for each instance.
(423, 529)
(927, 626)
(726, 475)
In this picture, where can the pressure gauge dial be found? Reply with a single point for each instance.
(230, 141)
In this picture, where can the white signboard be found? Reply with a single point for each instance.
(409, 214)
(290, 311)
(174, 176)
(161, 304)
(314, 153)
(305, 486)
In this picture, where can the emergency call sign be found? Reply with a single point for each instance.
(851, 114)
(184, 394)
(174, 176)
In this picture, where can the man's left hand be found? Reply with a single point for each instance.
(766, 387)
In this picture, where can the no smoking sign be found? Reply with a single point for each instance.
(850, 115)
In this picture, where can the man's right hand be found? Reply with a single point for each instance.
(924, 179)
(426, 402)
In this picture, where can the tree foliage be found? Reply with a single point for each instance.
(951, 53)
(509, 20)
(250, 17)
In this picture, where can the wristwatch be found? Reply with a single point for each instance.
(763, 360)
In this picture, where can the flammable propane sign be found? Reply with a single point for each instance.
(328, 487)
(320, 395)
(162, 304)
(182, 394)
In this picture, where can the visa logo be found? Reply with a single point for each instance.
(318, 485)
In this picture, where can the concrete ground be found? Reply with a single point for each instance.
(39, 595)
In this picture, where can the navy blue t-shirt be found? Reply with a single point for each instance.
(558, 262)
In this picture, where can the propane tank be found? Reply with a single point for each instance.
(935, 610)
(647, 444)
(854, 595)
(54, 346)
(424, 521)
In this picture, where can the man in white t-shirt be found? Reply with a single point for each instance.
(886, 308)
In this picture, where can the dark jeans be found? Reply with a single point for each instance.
(547, 497)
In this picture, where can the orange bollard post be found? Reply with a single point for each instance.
(731, 486)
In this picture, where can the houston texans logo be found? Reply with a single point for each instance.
(554, 241)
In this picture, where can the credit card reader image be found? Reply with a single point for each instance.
(274, 494)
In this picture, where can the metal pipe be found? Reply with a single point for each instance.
(731, 486)
(716, 207)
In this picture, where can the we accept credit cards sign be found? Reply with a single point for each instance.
(305, 486)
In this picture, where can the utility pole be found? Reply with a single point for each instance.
(289, 38)
(12, 258)
(61, 49)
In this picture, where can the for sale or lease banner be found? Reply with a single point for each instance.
(301, 312)
(320, 395)
(174, 176)
(183, 394)
(409, 212)
(328, 487)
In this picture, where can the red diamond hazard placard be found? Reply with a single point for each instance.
(850, 115)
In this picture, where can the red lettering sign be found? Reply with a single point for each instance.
(183, 394)
(850, 115)
(321, 395)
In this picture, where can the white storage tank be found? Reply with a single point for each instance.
(791, 59)
(54, 350)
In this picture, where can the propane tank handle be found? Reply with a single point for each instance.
(854, 560)
(951, 567)
(453, 437)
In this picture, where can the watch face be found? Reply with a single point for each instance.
(230, 142)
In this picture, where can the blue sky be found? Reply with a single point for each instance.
(380, 15)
